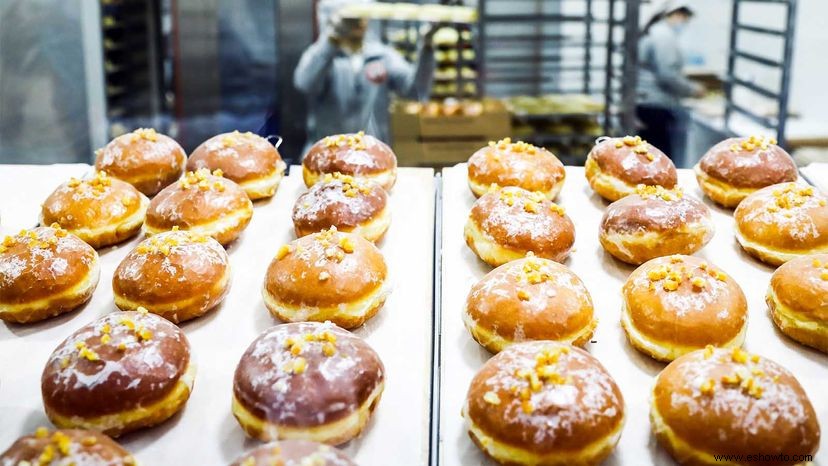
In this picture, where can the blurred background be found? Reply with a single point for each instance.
(437, 83)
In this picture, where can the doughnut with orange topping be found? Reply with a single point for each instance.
(714, 402)
(294, 453)
(347, 203)
(507, 224)
(544, 402)
(66, 447)
(615, 166)
(245, 158)
(677, 304)
(782, 222)
(798, 300)
(179, 275)
(358, 154)
(734, 168)
(122, 372)
(505, 163)
(655, 222)
(45, 272)
(148, 160)
(100, 210)
(202, 202)
(310, 381)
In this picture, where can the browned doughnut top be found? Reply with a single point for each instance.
(786, 216)
(340, 200)
(524, 220)
(326, 269)
(198, 198)
(306, 374)
(42, 262)
(170, 266)
(65, 447)
(351, 154)
(142, 154)
(731, 402)
(516, 164)
(241, 156)
(120, 362)
(802, 285)
(294, 453)
(634, 161)
(531, 299)
(684, 300)
(749, 162)
(544, 396)
(653, 208)
(98, 202)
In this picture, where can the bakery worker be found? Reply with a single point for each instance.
(661, 83)
(348, 76)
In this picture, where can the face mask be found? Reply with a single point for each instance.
(679, 27)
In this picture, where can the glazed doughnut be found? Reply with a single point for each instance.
(507, 224)
(736, 167)
(350, 204)
(201, 202)
(294, 453)
(343, 280)
(677, 304)
(515, 164)
(546, 403)
(145, 159)
(782, 222)
(45, 272)
(798, 300)
(615, 166)
(307, 381)
(655, 222)
(66, 447)
(179, 275)
(245, 158)
(100, 210)
(358, 155)
(120, 373)
(728, 402)
(529, 299)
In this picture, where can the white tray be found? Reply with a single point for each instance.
(206, 433)
(461, 356)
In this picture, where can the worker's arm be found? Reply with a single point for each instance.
(412, 81)
(667, 64)
(312, 70)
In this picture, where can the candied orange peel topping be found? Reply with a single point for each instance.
(669, 195)
(200, 179)
(752, 143)
(518, 147)
(350, 186)
(352, 141)
(673, 274)
(790, 196)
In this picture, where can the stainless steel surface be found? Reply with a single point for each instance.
(90, 17)
(296, 32)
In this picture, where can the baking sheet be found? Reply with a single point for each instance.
(206, 433)
(461, 356)
(817, 174)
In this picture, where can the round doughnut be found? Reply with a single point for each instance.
(359, 155)
(350, 204)
(120, 373)
(798, 300)
(728, 402)
(615, 166)
(45, 272)
(245, 158)
(544, 402)
(309, 380)
(179, 275)
(655, 222)
(515, 164)
(100, 210)
(294, 453)
(507, 224)
(782, 222)
(529, 299)
(343, 280)
(677, 304)
(201, 202)
(734, 168)
(145, 159)
(66, 447)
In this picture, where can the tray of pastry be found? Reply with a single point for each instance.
(504, 404)
(386, 360)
